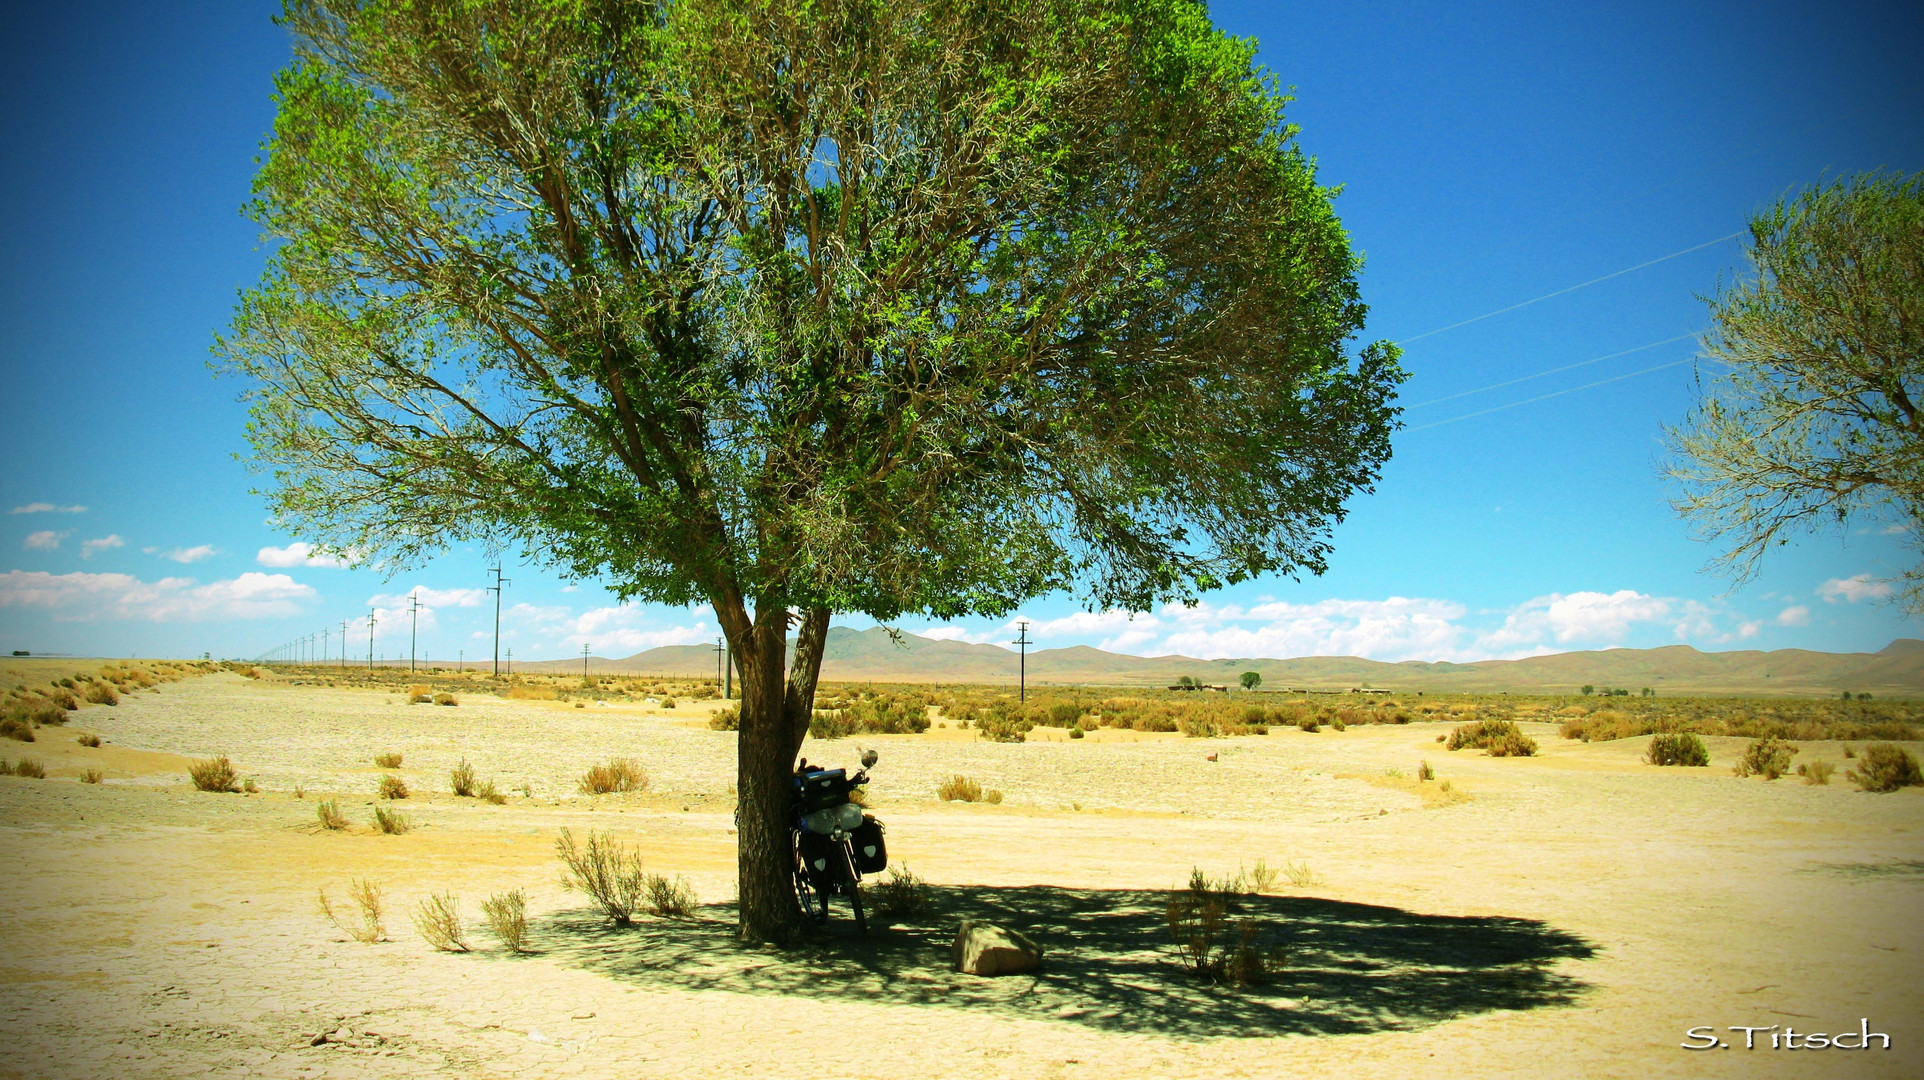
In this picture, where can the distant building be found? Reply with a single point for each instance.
(1368, 690)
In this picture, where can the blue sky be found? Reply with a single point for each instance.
(1489, 153)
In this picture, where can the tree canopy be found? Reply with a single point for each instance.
(793, 308)
(1812, 416)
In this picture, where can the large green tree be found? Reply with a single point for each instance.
(880, 306)
(1815, 412)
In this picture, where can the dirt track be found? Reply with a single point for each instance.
(1573, 917)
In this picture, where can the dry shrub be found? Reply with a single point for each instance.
(1424, 772)
(1211, 942)
(669, 899)
(65, 699)
(420, 690)
(904, 895)
(487, 793)
(668, 703)
(507, 917)
(729, 719)
(365, 926)
(437, 918)
(1885, 767)
(1817, 772)
(461, 779)
(993, 797)
(101, 694)
(445, 698)
(92, 741)
(1768, 757)
(524, 692)
(419, 699)
(1672, 748)
(330, 816)
(16, 728)
(1498, 738)
(29, 768)
(215, 775)
(610, 875)
(390, 822)
(621, 774)
(92, 776)
(959, 788)
(389, 760)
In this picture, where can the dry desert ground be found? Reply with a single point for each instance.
(1572, 915)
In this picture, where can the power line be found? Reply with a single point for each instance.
(1571, 289)
(1551, 371)
(1552, 394)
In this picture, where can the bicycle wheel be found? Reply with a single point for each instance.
(854, 887)
(814, 903)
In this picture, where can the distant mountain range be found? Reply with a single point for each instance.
(874, 656)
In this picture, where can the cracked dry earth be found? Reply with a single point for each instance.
(1573, 916)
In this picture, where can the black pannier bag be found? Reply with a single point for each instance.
(815, 858)
(871, 854)
(821, 790)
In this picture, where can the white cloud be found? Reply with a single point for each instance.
(47, 508)
(298, 553)
(1793, 616)
(1399, 628)
(1749, 630)
(44, 540)
(1852, 589)
(432, 598)
(625, 629)
(192, 554)
(1590, 617)
(105, 543)
(82, 597)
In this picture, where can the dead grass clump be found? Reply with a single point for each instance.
(215, 775)
(621, 774)
(1768, 757)
(729, 719)
(487, 793)
(389, 760)
(26, 767)
(99, 693)
(668, 703)
(330, 816)
(91, 741)
(1214, 944)
(1885, 767)
(992, 796)
(610, 875)
(959, 788)
(524, 692)
(92, 776)
(1498, 738)
(365, 925)
(904, 895)
(391, 822)
(17, 728)
(507, 917)
(461, 779)
(1424, 772)
(437, 918)
(445, 698)
(1677, 749)
(669, 899)
(392, 787)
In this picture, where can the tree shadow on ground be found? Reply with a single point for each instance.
(1350, 968)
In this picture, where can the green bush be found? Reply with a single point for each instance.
(1498, 738)
(1767, 757)
(1677, 749)
(730, 719)
(1885, 767)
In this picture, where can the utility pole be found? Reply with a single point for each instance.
(414, 626)
(461, 659)
(499, 581)
(370, 641)
(510, 659)
(728, 670)
(343, 644)
(719, 651)
(1022, 639)
(326, 632)
(584, 661)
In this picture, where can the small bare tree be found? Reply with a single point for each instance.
(1815, 418)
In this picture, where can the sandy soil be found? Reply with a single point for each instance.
(1573, 916)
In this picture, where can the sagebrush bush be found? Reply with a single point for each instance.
(328, 812)
(608, 873)
(1674, 748)
(446, 699)
(959, 788)
(389, 760)
(1211, 943)
(392, 787)
(437, 918)
(507, 917)
(1498, 738)
(730, 719)
(16, 728)
(670, 899)
(99, 693)
(390, 822)
(1885, 767)
(366, 927)
(215, 775)
(487, 793)
(1767, 757)
(92, 776)
(461, 779)
(1816, 772)
(1424, 772)
(91, 741)
(29, 768)
(621, 774)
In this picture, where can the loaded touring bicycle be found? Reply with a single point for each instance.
(835, 840)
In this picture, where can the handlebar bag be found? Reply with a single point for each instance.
(821, 790)
(871, 853)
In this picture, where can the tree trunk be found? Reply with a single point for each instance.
(775, 706)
